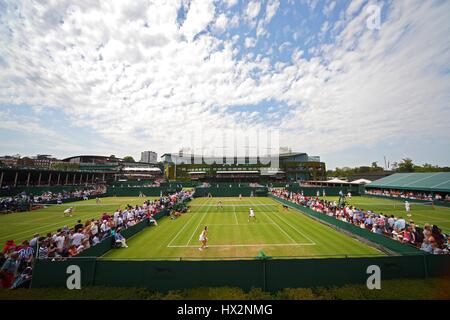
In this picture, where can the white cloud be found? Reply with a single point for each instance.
(329, 7)
(200, 14)
(231, 3)
(271, 10)
(250, 42)
(234, 21)
(284, 46)
(139, 86)
(221, 22)
(252, 10)
(354, 6)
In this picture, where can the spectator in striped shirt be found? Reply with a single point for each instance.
(25, 255)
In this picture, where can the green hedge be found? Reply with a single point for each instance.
(406, 289)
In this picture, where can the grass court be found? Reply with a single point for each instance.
(23, 225)
(279, 233)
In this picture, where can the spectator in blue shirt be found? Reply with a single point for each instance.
(120, 239)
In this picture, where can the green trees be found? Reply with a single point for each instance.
(406, 165)
(128, 159)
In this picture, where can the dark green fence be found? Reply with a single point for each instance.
(226, 191)
(135, 191)
(379, 239)
(270, 275)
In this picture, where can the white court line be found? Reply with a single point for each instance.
(427, 216)
(50, 226)
(178, 233)
(74, 204)
(239, 205)
(204, 215)
(299, 232)
(239, 224)
(248, 245)
(279, 227)
(235, 216)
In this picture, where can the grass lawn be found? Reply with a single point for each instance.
(279, 233)
(23, 225)
(417, 289)
(421, 213)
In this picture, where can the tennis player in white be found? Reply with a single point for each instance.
(203, 239)
(408, 208)
(251, 215)
(68, 212)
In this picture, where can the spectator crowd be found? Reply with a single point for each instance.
(24, 201)
(408, 195)
(16, 259)
(429, 238)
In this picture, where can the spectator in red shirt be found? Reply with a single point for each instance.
(9, 245)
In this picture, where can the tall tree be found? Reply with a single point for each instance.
(128, 159)
(406, 165)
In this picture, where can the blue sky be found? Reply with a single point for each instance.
(119, 78)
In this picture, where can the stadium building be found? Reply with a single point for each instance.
(149, 157)
(76, 170)
(293, 166)
(116, 168)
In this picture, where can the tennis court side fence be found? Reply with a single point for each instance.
(270, 275)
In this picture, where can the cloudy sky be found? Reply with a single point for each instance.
(120, 77)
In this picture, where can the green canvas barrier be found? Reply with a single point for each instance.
(135, 191)
(226, 191)
(99, 249)
(379, 239)
(271, 275)
(180, 184)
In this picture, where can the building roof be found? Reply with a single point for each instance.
(243, 171)
(336, 180)
(153, 169)
(90, 156)
(290, 154)
(361, 181)
(331, 181)
(432, 181)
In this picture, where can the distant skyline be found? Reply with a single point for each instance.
(123, 77)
